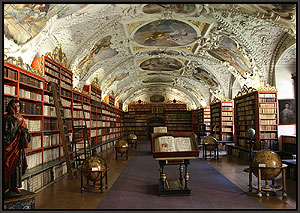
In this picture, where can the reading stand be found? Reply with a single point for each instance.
(175, 149)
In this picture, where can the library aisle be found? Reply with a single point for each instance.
(64, 192)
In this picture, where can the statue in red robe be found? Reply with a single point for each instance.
(16, 138)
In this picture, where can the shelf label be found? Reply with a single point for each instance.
(261, 165)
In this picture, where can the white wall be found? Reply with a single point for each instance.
(285, 86)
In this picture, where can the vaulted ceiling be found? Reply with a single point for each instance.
(187, 52)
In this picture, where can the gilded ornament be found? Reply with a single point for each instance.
(133, 26)
(198, 24)
(59, 56)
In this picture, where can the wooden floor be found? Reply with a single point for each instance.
(65, 193)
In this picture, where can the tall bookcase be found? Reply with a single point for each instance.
(204, 118)
(222, 120)
(177, 118)
(257, 110)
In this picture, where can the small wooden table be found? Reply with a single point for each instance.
(25, 201)
(94, 184)
(174, 186)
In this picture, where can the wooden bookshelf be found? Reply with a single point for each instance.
(195, 121)
(222, 120)
(204, 118)
(257, 110)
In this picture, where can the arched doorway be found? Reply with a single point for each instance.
(154, 121)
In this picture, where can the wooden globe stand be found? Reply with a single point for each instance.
(90, 184)
(268, 188)
(122, 150)
(132, 142)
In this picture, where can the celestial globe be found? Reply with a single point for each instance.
(92, 167)
(211, 142)
(266, 158)
(121, 146)
(131, 138)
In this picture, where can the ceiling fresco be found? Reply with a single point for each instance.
(178, 8)
(165, 33)
(161, 64)
(192, 53)
(24, 21)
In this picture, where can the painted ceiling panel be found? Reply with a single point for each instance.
(187, 52)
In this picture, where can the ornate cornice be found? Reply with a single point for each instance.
(19, 63)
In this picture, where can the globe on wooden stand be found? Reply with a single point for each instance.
(266, 165)
(121, 147)
(251, 134)
(132, 139)
(210, 143)
(94, 168)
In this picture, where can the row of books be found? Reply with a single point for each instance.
(246, 103)
(244, 108)
(268, 116)
(66, 79)
(227, 123)
(268, 135)
(135, 124)
(226, 113)
(96, 109)
(36, 182)
(9, 89)
(269, 127)
(266, 110)
(59, 170)
(34, 159)
(226, 108)
(249, 122)
(135, 128)
(49, 110)
(30, 95)
(66, 85)
(49, 99)
(52, 72)
(35, 143)
(11, 74)
(51, 154)
(226, 129)
(273, 105)
(31, 81)
(54, 67)
(50, 124)
(50, 140)
(244, 127)
(245, 99)
(33, 125)
(267, 99)
(66, 93)
(49, 79)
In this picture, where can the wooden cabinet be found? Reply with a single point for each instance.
(222, 120)
(257, 110)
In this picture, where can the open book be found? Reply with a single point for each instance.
(173, 144)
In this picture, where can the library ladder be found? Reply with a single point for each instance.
(81, 144)
(63, 131)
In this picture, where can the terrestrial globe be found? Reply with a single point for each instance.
(267, 158)
(121, 146)
(132, 138)
(91, 163)
(251, 132)
(211, 143)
